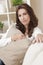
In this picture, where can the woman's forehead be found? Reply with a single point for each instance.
(22, 10)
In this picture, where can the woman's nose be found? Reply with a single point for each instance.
(22, 17)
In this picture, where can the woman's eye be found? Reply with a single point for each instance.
(19, 15)
(24, 13)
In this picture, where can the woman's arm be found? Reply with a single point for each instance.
(38, 35)
(39, 38)
(5, 41)
(17, 37)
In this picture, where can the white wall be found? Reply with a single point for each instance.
(37, 5)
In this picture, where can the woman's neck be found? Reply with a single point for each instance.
(26, 32)
(26, 27)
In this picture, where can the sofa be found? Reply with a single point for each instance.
(21, 52)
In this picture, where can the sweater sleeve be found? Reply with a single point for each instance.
(5, 41)
(36, 32)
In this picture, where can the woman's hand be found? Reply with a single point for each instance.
(39, 38)
(17, 37)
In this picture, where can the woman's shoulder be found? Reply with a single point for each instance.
(36, 31)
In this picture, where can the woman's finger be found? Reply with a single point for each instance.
(40, 39)
(33, 41)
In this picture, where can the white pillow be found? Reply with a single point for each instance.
(33, 51)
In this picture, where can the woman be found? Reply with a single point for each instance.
(27, 22)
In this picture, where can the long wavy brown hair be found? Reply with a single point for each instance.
(33, 19)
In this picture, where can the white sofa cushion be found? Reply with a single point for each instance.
(32, 53)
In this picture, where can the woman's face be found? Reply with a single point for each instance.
(23, 17)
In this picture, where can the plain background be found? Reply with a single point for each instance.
(37, 5)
